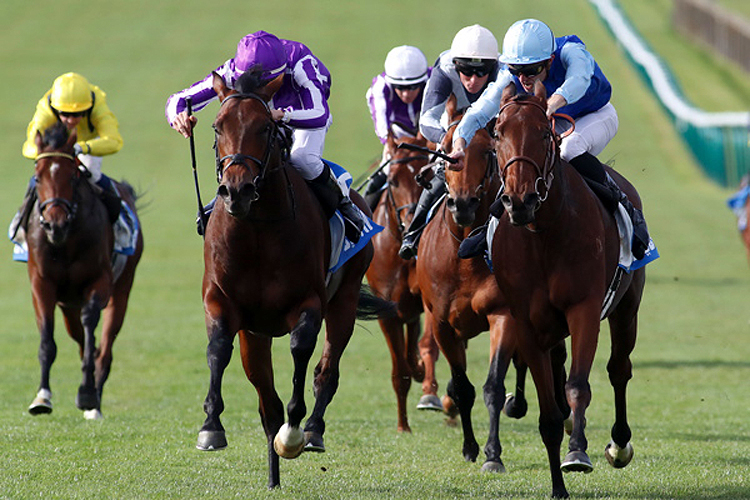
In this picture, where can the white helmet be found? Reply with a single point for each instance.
(405, 65)
(527, 42)
(473, 43)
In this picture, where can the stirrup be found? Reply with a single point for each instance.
(409, 246)
(474, 245)
(353, 222)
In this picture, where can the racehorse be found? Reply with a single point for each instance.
(70, 241)
(395, 279)
(555, 253)
(461, 298)
(266, 253)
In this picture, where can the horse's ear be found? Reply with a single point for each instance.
(390, 142)
(540, 91)
(220, 86)
(509, 92)
(269, 89)
(39, 141)
(72, 139)
(450, 106)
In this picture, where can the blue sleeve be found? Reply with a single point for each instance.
(484, 109)
(579, 69)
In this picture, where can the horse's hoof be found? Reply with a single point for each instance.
(577, 461)
(93, 414)
(429, 402)
(211, 440)
(289, 442)
(618, 457)
(42, 403)
(568, 424)
(493, 466)
(314, 442)
(87, 399)
(514, 408)
(449, 407)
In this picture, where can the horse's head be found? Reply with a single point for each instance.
(402, 188)
(474, 178)
(57, 177)
(526, 150)
(246, 140)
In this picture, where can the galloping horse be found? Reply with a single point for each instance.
(461, 297)
(555, 253)
(70, 244)
(395, 279)
(266, 254)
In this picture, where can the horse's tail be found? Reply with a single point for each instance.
(130, 194)
(370, 306)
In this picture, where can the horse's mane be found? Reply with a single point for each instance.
(56, 135)
(251, 80)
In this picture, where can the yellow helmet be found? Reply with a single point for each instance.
(71, 93)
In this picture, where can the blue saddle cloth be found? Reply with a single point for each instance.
(736, 204)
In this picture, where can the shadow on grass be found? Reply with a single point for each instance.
(691, 363)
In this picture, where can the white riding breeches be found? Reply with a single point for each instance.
(307, 151)
(592, 133)
(94, 165)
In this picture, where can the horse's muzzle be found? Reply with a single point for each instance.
(463, 210)
(521, 212)
(237, 200)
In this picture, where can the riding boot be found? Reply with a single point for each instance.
(110, 198)
(373, 189)
(610, 194)
(331, 197)
(17, 229)
(475, 244)
(201, 222)
(426, 200)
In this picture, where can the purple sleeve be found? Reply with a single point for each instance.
(202, 92)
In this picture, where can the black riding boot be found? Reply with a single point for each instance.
(426, 200)
(201, 222)
(475, 244)
(610, 195)
(17, 231)
(329, 193)
(110, 198)
(373, 189)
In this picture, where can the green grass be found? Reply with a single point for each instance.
(688, 401)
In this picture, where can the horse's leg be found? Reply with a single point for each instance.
(558, 355)
(257, 362)
(290, 441)
(623, 326)
(339, 328)
(502, 346)
(393, 330)
(584, 324)
(87, 397)
(218, 353)
(550, 417)
(460, 389)
(429, 353)
(44, 309)
(516, 405)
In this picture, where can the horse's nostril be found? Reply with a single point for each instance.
(451, 203)
(223, 191)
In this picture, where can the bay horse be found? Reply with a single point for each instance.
(555, 253)
(461, 297)
(394, 278)
(70, 241)
(266, 254)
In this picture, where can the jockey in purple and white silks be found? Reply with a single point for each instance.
(464, 70)
(576, 86)
(395, 102)
(301, 102)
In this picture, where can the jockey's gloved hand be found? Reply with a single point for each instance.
(77, 149)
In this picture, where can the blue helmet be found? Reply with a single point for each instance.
(527, 42)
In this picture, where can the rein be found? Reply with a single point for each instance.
(391, 200)
(69, 206)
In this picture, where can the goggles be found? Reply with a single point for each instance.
(413, 86)
(72, 115)
(529, 70)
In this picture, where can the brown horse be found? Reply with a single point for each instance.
(266, 275)
(70, 244)
(555, 253)
(461, 297)
(395, 279)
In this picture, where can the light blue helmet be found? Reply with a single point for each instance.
(527, 42)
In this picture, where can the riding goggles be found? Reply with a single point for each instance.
(470, 71)
(413, 86)
(72, 115)
(529, 70)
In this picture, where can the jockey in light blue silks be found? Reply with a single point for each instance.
(577, 87)
(301, 102)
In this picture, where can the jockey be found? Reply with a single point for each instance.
(301, 102)
(577, 87)
(395, 100)
(82, 106)
(464, 70)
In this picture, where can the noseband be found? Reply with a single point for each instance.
(243, 159)
(545, 174)
(409, 207)
(70, 207)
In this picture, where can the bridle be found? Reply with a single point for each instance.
(545, 174)
(489, 170)
(242, 159)
(69, 206)
(409, 207)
